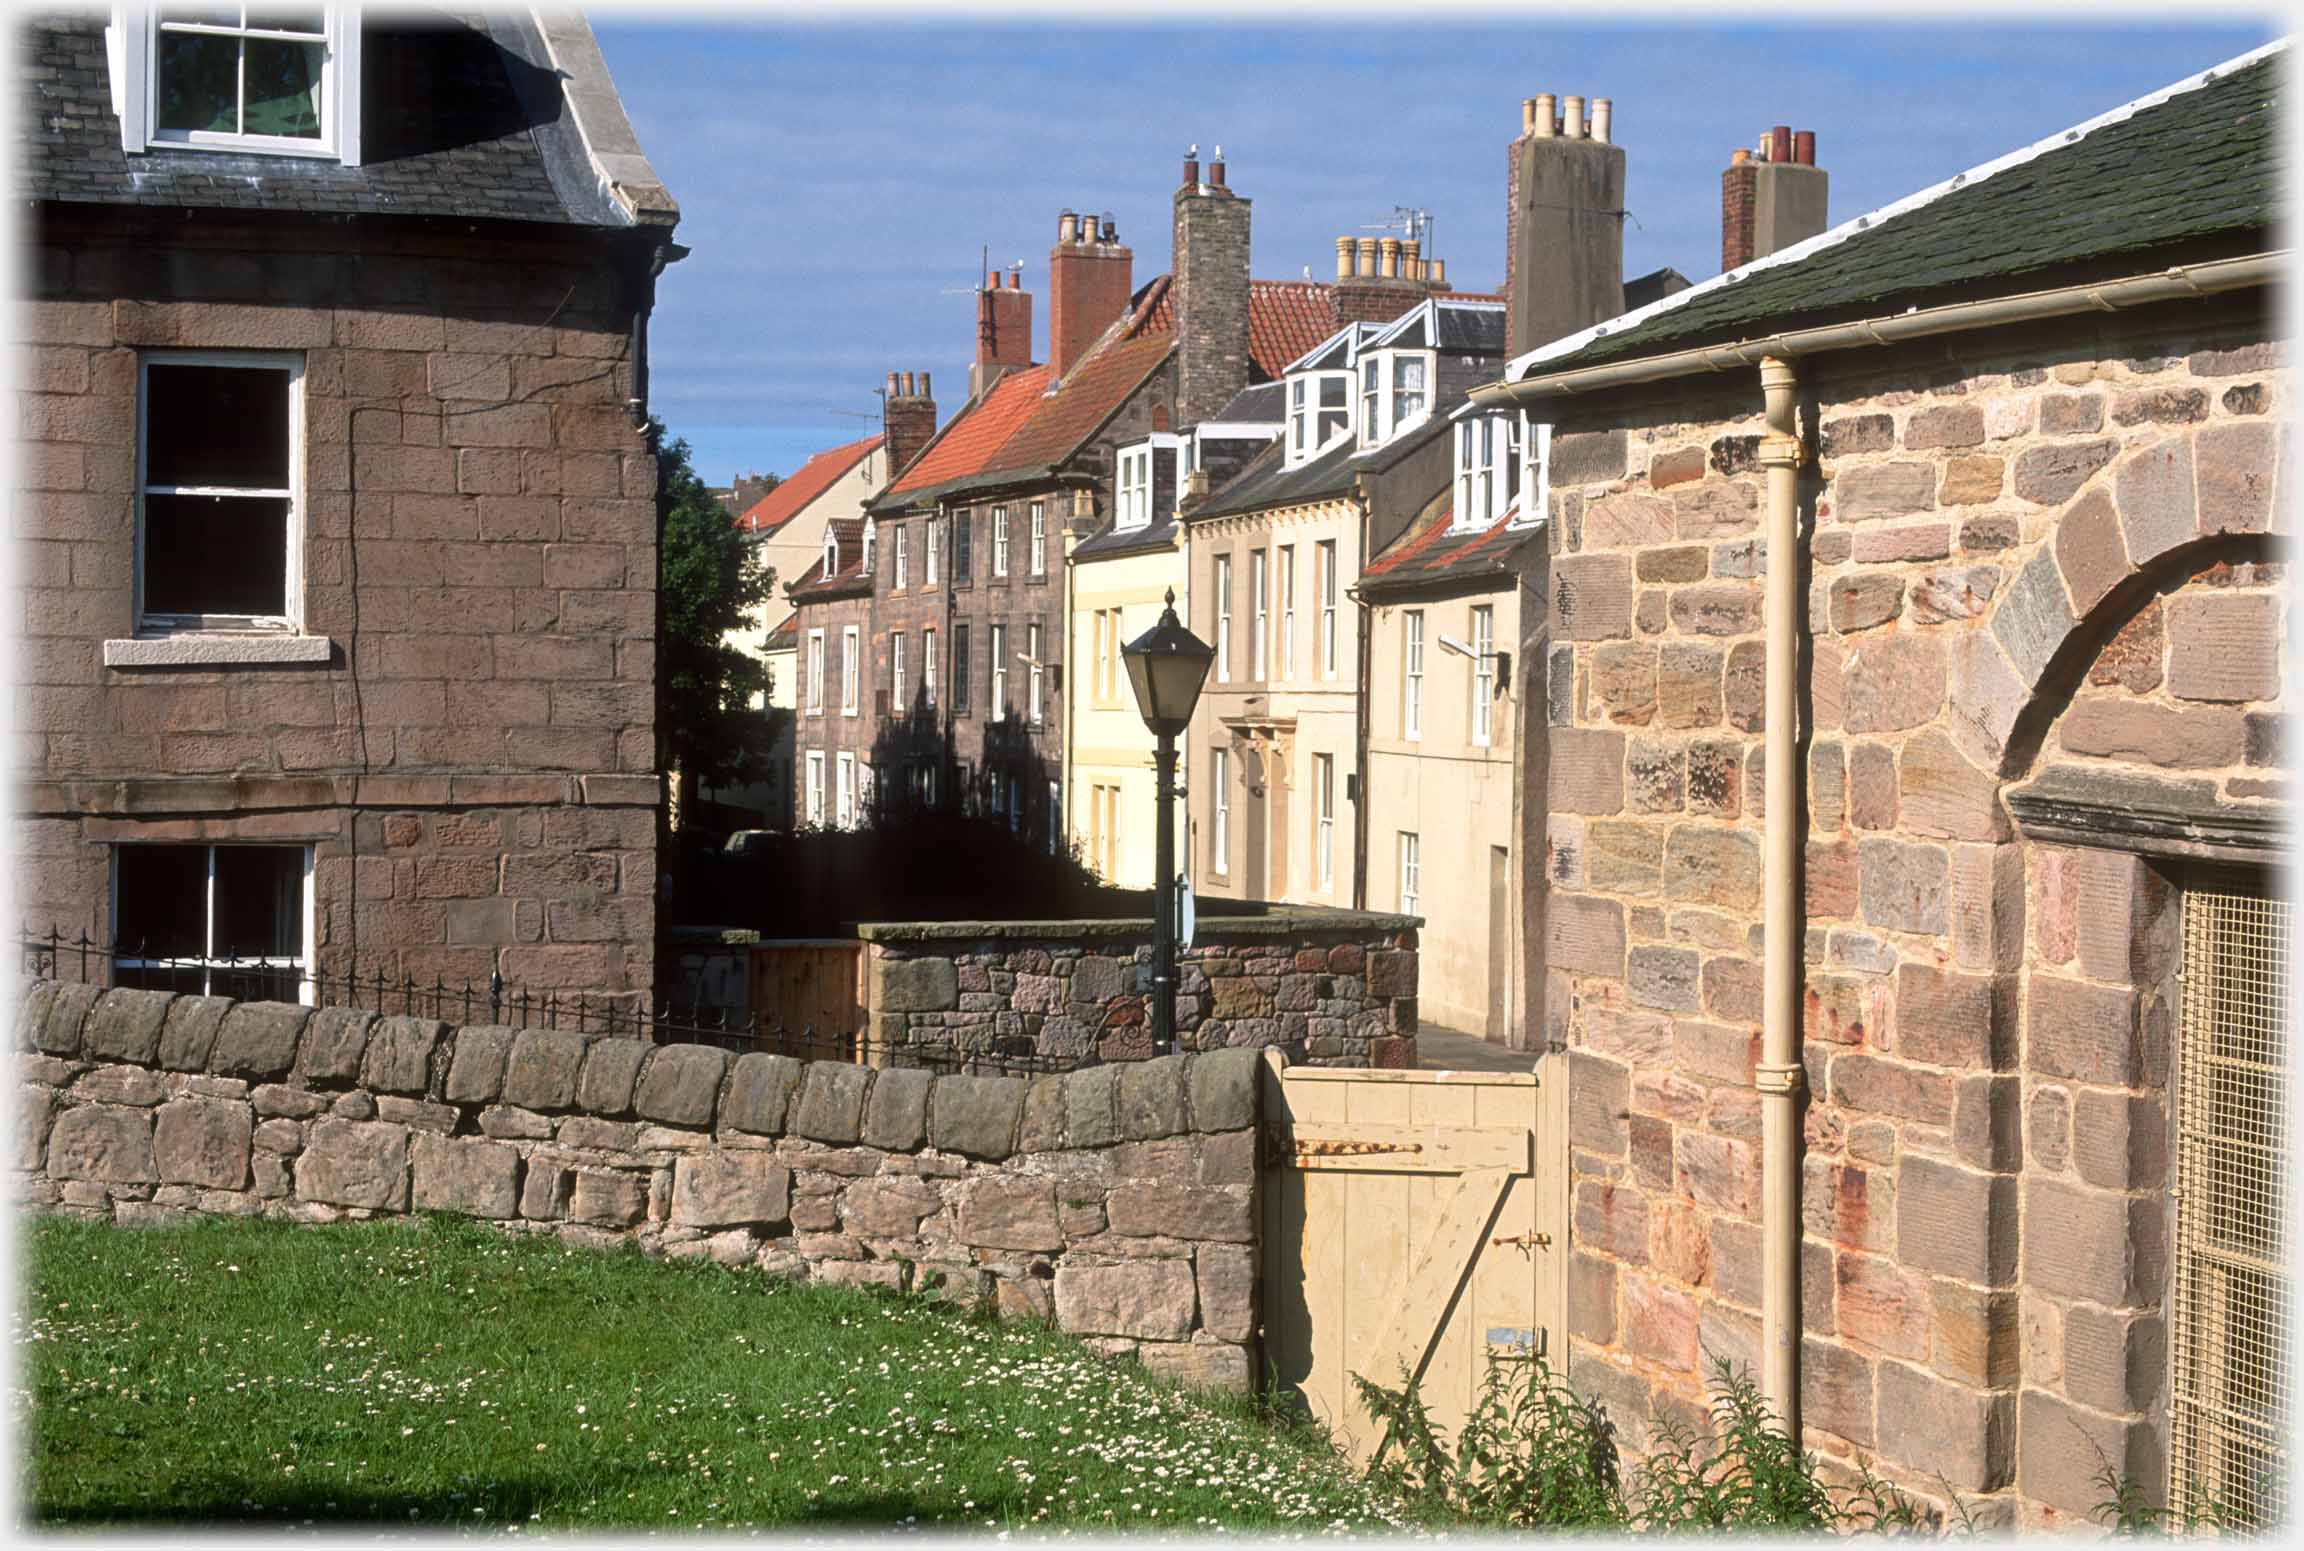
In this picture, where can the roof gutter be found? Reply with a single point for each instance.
(2172, 284)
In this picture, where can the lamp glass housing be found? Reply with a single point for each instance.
(1167, 665)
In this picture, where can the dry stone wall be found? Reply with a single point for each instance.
(1330, 988)
(2053, 561)
(1116, 1201)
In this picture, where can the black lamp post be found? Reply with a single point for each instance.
(1167, 664)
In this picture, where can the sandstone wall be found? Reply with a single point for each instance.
(1329, 987)
(472, 759)
(1118, 1201)
(2053, 559)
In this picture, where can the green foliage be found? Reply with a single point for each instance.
(2128, 1514)
(713, 583)
(1533, 1454)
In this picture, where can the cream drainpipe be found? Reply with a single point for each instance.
(1780, 1076)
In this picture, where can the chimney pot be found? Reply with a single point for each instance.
(1192, 168)
(1343, 258)
(1547, 124)
(1739, 157)
(1780, 143)
(1572, 118)
(1364, 249)
(1603, 111)
(924, 389)
(1804, 148)
(1015, 281)
(892, 385)
(1440, 272)
(1216, 169)
(1388, 257)
(1067, 227)
(1527, 115)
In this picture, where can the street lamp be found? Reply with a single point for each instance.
(1167, 664)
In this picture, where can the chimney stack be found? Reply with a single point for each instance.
(1771, 201)
(1003, 332)
(1211, 291)
(1564, 227)
(907, 419)
(1089, 283)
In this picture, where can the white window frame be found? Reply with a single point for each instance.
(999, 707)
(902, 557)
(1412, 674)
(848, 645)
(816, 673)
(1384, 402)
(291, 620)
(132, 48)
(1483, 674)
(1055, 819)
(1324, 821)
(1324, 554)
(1132, 490)
(816, 787)
(1032, 662)
(999, 541)
(1223, 619)
(896, 673)
(1287, 611)
(1305, 411)
(1259, 607)
(1102, 628)
(871, 546)
(1039, 556)
(831, 554)
(1489, 469)
(1535, 473)
(931, 540)
(1220, 814)
(844, 774)
(1411, 872)
(928, 665)
(208, 959)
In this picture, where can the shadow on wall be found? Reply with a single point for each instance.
(438, 83)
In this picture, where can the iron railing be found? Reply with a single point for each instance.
(617, 1014)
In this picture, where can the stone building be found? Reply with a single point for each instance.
(336, 541)
(2017, 439)
(786, 526)
(834, 725)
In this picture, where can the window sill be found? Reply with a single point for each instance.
(216, 651)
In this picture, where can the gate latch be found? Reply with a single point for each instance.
(1524, 1241)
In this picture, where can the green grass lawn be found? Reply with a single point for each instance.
(438, 1372)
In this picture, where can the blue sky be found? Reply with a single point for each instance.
(837, 184)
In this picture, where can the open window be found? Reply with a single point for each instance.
(1319, 413)
(280, 79)
(1489, 468)
(219, 530)
(215, 920)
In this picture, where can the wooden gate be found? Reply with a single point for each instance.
(1413, 1223)
(812, 989)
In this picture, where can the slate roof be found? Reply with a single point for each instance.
(1160, 534)
(1263, 404)
(848, 579)
(1427, 553)
(462, 115)
(2199, 165)
(810, 480)
(785, 636)
(1476, 328)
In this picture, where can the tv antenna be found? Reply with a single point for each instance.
(1410, 222)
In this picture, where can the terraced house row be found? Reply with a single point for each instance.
(1832, 716)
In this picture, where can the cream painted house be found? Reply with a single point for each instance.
(1454, 606)
(1120, 579)
(1276, 556)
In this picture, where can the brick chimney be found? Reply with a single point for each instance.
(1211, 267)
(1564, 222)
(1089, 282)
(1003, 331)
(907, 419)
(1772, 198)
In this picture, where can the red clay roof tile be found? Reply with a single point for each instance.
(808, 481)
(969, 443)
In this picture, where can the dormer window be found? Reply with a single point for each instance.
(1535, 472)
(1319, 412)
(1488, 469)
(871, 531)
(1150, 474)
(831, 554)
(1395, 391)
(280, 79)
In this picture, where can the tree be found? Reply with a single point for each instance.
(713, 583)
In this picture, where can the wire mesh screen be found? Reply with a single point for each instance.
(2230, 1381)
